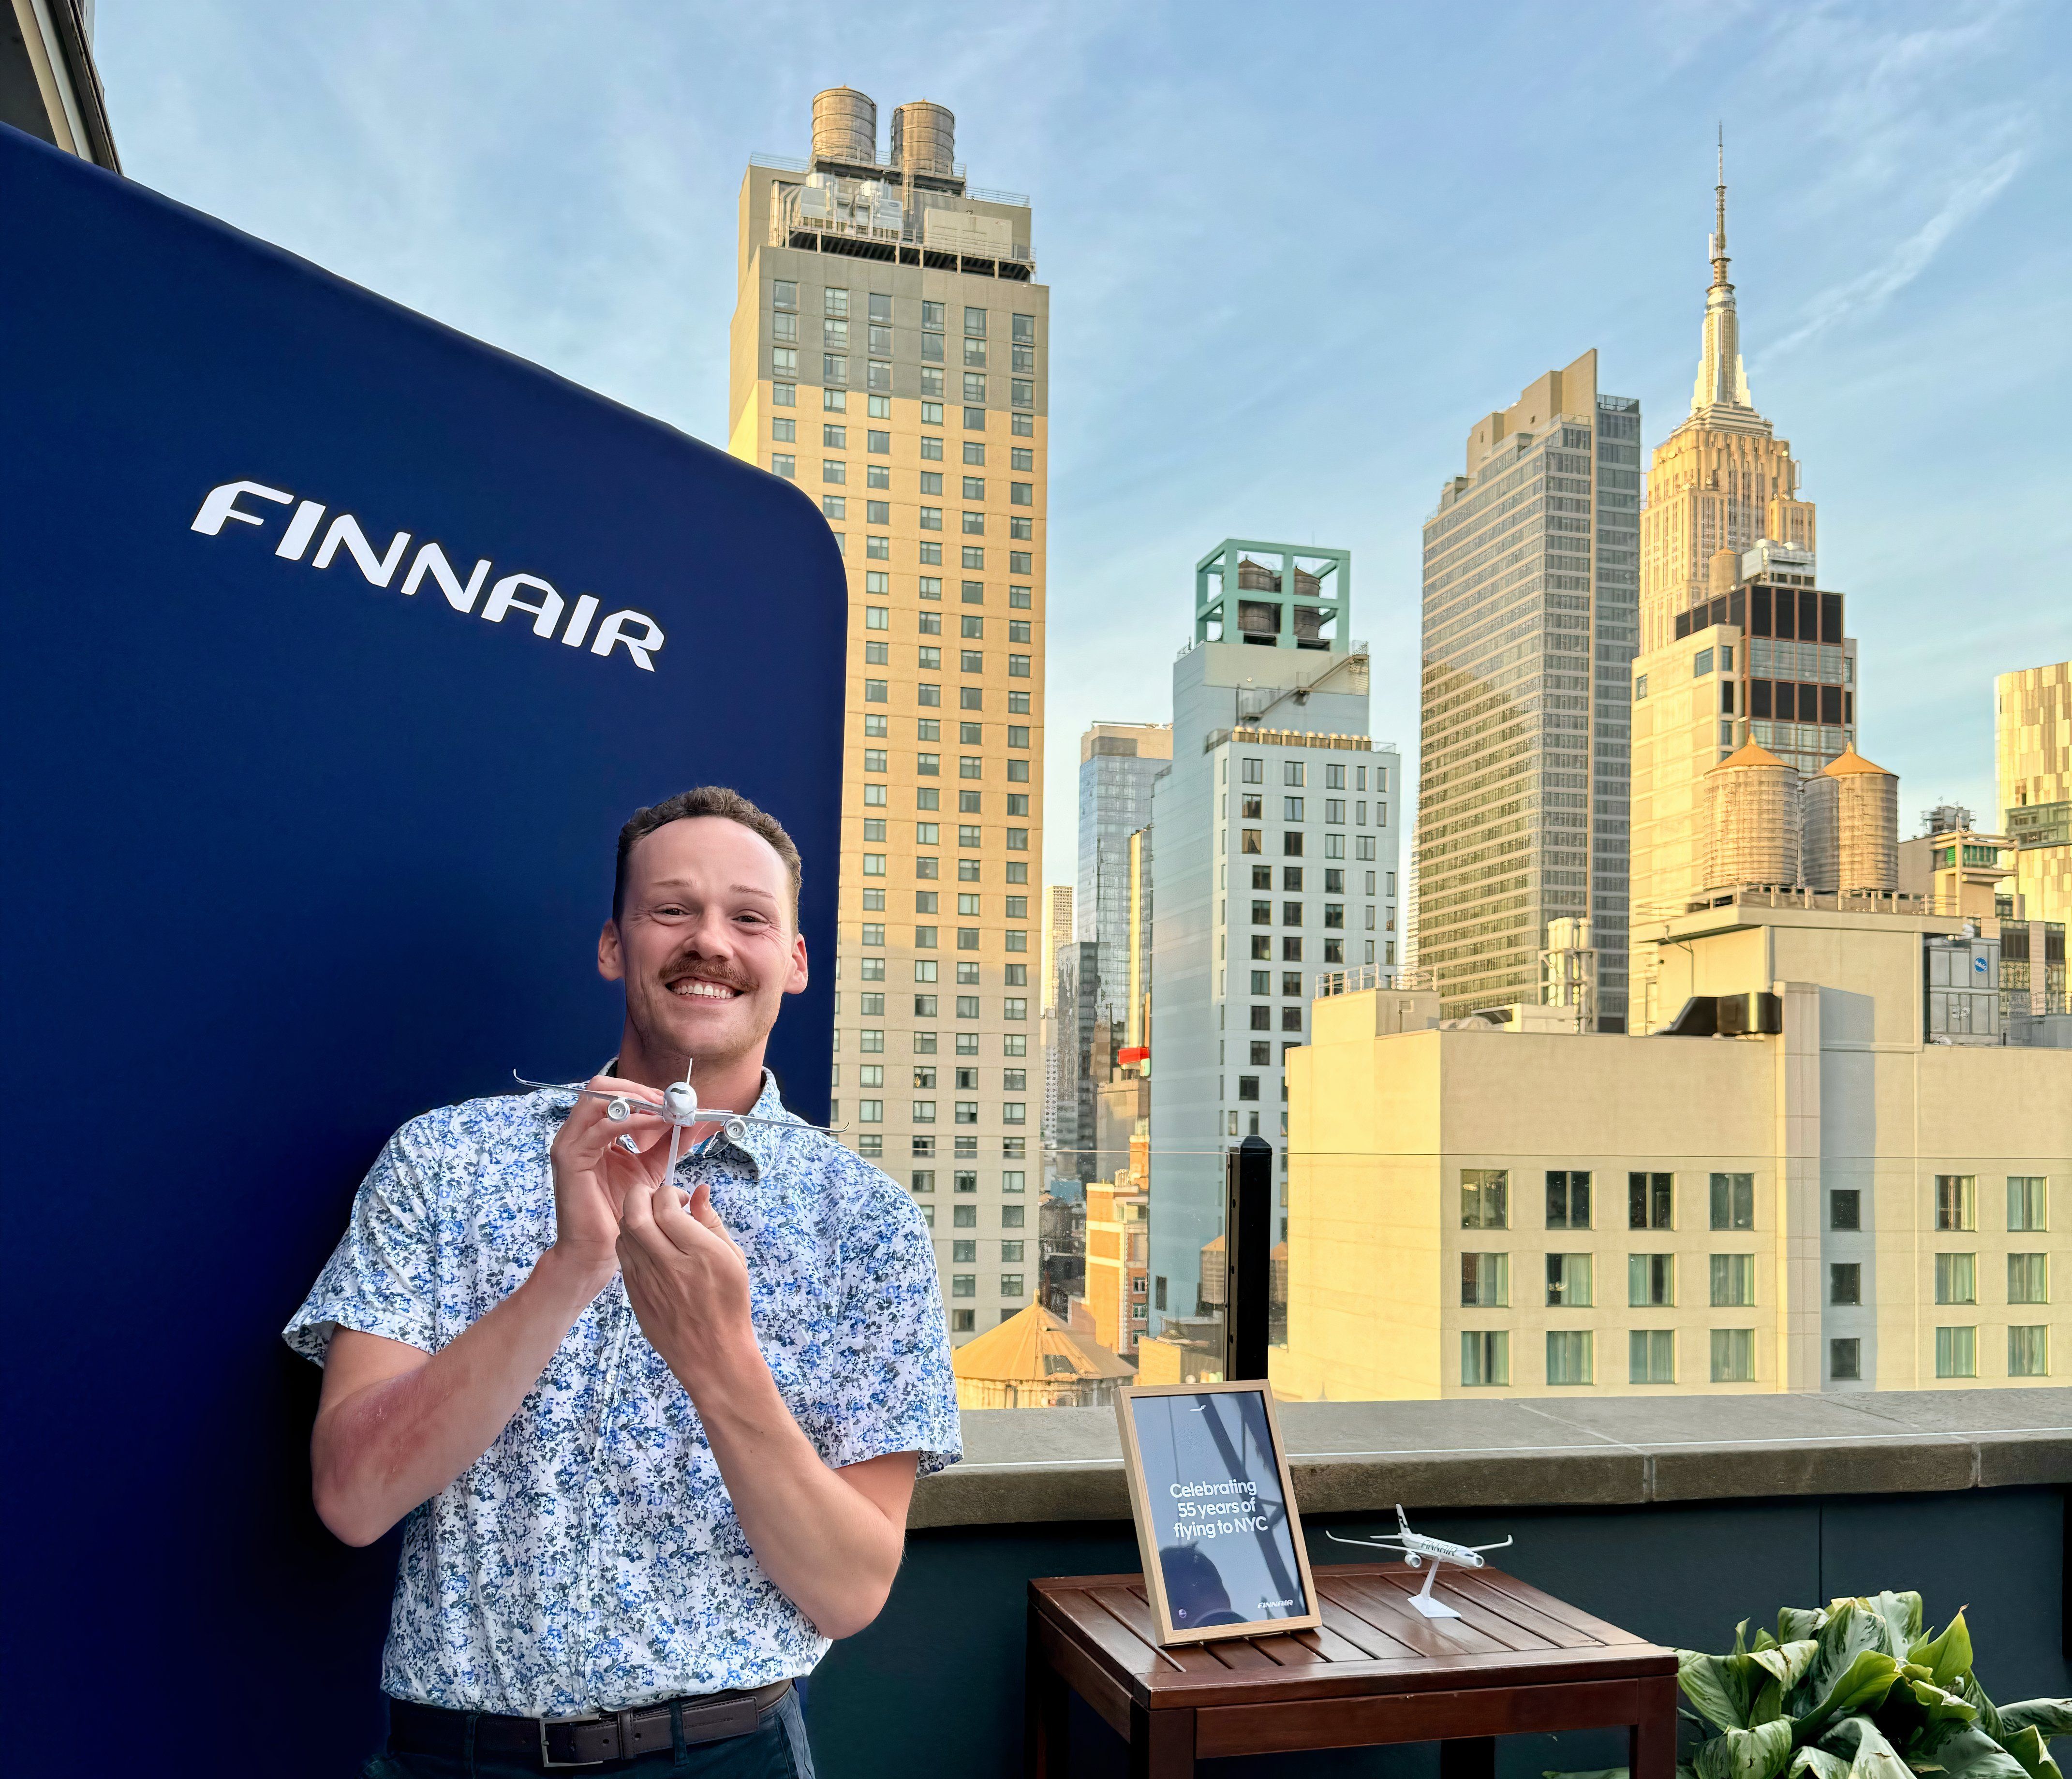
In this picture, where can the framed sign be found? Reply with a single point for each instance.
(1223, 1554)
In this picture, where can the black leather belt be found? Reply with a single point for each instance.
(561, 1742)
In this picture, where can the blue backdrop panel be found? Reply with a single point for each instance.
(290, 855)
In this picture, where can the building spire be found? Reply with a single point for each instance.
(1721, 381)
(1719, 254)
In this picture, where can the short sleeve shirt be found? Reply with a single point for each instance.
(591, 1559)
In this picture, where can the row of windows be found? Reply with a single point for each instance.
(878, 443)
(879, 549)
(930, 586)
(871, 1145)
(1252, 809)
(1651, 1201)
(968, 870)
(930, 834)
(928, 694)
(834, 508)
(836, 401)
(835, 472)
(879, 341)
(872, 1111)
(1292, 913)
(926, 797)
(877, 374)
(963, 1284)
(1651, 1355)
(1651, 1280)
(1252, 841)
(1334, 881)
(872, 969)
(970, 661)
(784, 297)
(922, 1179)
(1295, 773)
(1291, 949)
(927, 938)
(930, 728)
(870, 1040)
(1014, 1008)
(926, 901)
(971, 625)
(872, 1074)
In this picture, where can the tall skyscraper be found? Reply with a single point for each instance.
(1118, 763)
(1722, 479)
(1738, 642)
(890, 352)
(1274, 854)
(1529, 584)
(2032, 735)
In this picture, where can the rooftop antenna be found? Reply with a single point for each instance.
(1719, 254)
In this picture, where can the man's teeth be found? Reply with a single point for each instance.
(688, 989)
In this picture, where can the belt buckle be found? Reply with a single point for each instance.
(546, 1761)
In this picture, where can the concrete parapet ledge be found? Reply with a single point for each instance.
(1033, 1465)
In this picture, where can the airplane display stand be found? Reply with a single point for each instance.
(1506, 1658)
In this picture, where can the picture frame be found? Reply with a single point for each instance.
(1190, 1482)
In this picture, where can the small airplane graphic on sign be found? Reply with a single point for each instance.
(1418, 1548)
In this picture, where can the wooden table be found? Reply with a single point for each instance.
(1515, 1660)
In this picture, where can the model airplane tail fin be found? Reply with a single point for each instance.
(1402, 1518)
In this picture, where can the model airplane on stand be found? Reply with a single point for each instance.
(1418, 1548)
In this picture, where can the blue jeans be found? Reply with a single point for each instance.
(775, 1749)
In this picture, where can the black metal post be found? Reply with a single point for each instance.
(1249, 1256)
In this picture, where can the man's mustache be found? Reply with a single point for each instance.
(693, 966)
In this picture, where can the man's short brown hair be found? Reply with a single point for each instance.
(707, 799)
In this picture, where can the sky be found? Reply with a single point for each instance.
(1294, 253)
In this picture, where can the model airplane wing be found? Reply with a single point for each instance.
(1506, 1543)
(1365, 1544)
(634, 1104)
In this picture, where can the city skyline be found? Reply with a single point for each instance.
(1879, 238)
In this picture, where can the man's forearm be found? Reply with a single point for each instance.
(384, 1448)
(826, 1545)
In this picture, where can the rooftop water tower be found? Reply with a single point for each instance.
(845, 127)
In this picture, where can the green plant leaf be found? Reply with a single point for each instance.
(1902, 1615)
(1812, 1763)
(1787, 1663)
(2028, 1746)
(1758, 1753)
(2052, 1716)
(1718, 1685)
(1860, 1687)
(1869, 1755)
(1948, 1658)
(1595, 1772)
(1964, 1751)
(1989, 1718)
(1796, 1623)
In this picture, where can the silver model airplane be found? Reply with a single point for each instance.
(678, 1108)
(1417, 1548)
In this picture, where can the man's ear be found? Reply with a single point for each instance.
(795, 983)
(610, 960)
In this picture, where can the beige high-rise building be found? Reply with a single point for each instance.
(2033, 738)
(1739, 644)
(889, 353)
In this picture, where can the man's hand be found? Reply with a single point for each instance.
(593, 1174)
(830, 1539)
(687, 1281)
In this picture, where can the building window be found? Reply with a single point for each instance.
(1649, 1200)
(1956, 1278)
(1484, 1281)
(2028, 1279)
(785, 395)
(1651, 1281)
(1956, 1202)
(1291, 845)
(1733, 1201)
(1291, 809)
(1733, 1355)
(784, 463)
(1956, 1351)
(1845, 1360)
(1485, 1356)
(1734, 1281)
(1651, 1356)
(1484, 1198)
(1569, 1278)
(1845, 1282)
(1845, 1208)
(1569, 1357)
(963, 1284)
(2029, 1202)
(1568, 1200)
(2029, 1352)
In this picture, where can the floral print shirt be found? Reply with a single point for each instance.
(590, 1559)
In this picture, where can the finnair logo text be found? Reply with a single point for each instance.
(554, 618)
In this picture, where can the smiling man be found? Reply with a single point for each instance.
(651, 1439)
